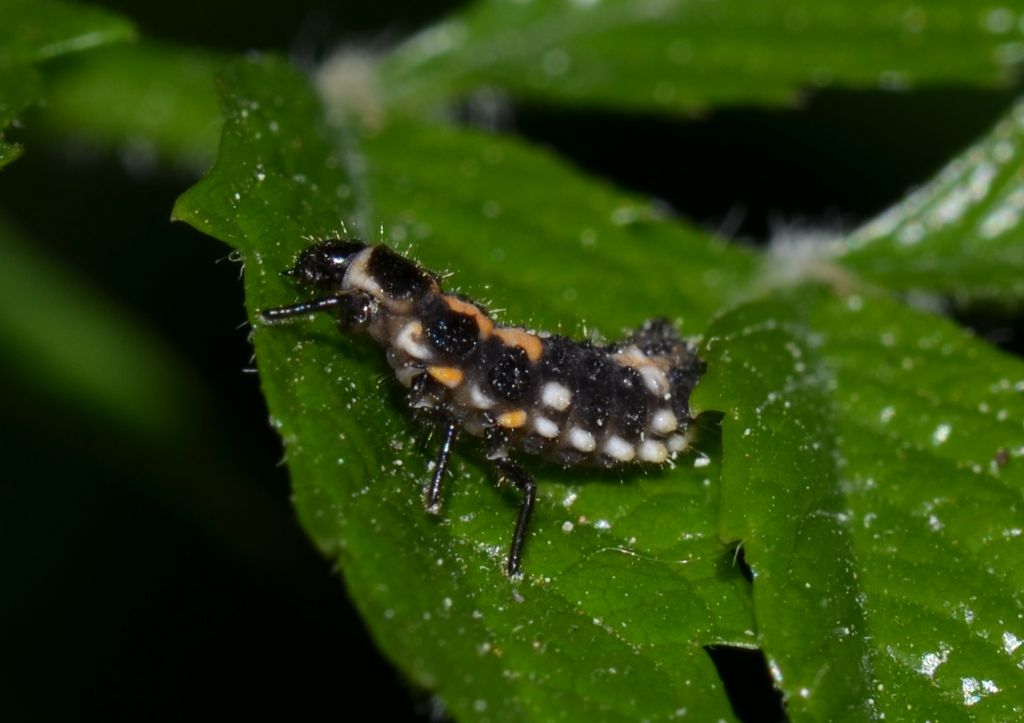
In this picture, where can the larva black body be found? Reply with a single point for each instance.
(569, 401)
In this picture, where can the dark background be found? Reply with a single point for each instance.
(154, 583)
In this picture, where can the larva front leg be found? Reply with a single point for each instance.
(433, 492)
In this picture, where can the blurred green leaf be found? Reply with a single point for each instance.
(86, 367)
(876, 488)
(9, 152)
(32, 31)
(64, 339)
(681, 55)
(18, 88)
(148, 102)
(625, 577)
(37, 30)
(961, 235)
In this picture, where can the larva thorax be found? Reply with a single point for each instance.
(569, 401)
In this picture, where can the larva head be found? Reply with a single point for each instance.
(323, 265)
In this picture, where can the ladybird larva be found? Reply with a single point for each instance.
(572, 402)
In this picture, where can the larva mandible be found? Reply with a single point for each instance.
(572, 402)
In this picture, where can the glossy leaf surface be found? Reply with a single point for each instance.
(680, 55)
(877, 491)
(961, 235)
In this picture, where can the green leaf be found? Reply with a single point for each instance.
(148, 102)
(681, 55)
(961, 235)
(37, 30)
(9, 152)
(33, 31)
(873, 468)
(871, 460)
(625, 577)
(781, 500)
(18, 88)
(513, 218)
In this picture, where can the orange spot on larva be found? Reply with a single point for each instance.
(449, 376)
(530, 343)
(512, 420)
(459, 306)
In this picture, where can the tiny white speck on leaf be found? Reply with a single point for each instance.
(1010, 642)
(941, 434)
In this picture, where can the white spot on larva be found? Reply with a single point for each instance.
(479, 399)
(582, 440)
(555, 395)
(941, 434)
(618, 448)
(654, 379)
(358, 278)
(545, 427)
(567, 526)
(664, 421)
(651, 451)
(408, 341)
(677, 443)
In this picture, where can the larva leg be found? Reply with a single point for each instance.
(282, 313)
(352, 309)
(525, 484)
(451, 431)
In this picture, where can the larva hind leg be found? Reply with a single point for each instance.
(425, 401)
(515, 474)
